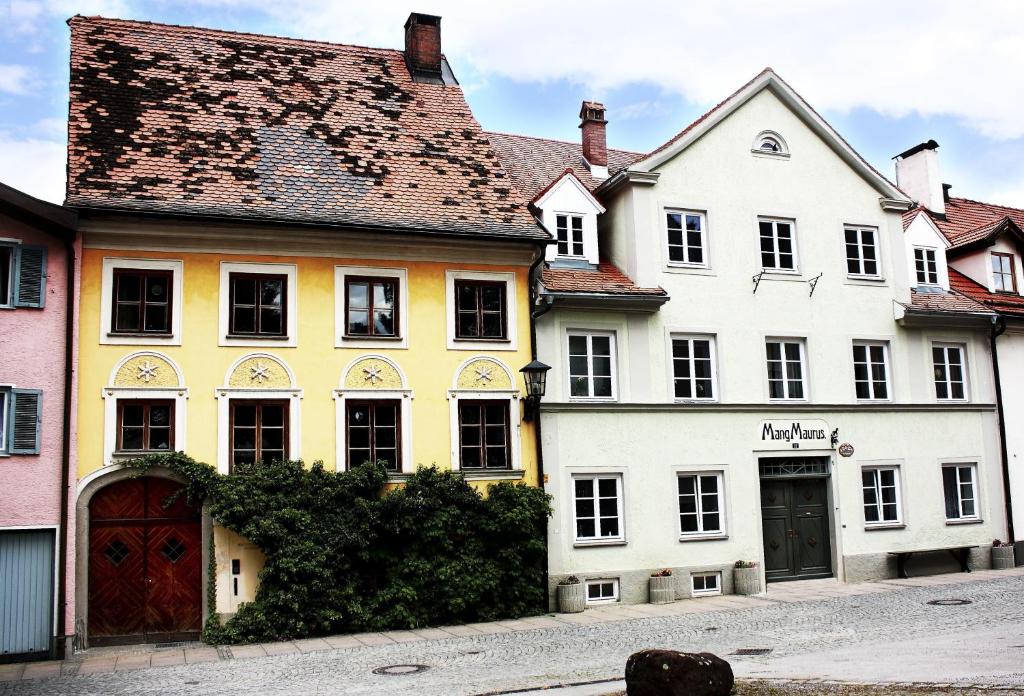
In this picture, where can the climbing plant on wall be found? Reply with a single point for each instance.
(346, 553)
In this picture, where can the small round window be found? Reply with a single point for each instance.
(770, 143)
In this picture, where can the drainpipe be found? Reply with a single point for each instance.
(65, 454)
(998, 328)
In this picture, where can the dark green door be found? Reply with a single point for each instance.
(794, 516)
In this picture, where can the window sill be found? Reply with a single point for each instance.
(461, 339)
(952, 401)
(599, 542)
(382, 339)
(592, 400)
(770, 155)
(793, 402)
(493, 474)
(884, 526)
(138, 334)
(695, 402)
(124, 454)
(680, 269)
(874, 280)
(703, 537)
(957, 523)
(253, 337)
(782, 274)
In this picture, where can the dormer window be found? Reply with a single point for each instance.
(569, 230)
(1003, 275)
(770, 143)
(926, 267)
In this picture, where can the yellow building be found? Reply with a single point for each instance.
(291, 250)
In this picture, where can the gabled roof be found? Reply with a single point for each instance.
(967, 224)
(768, 79)
(61, 222)
(192, 121)
(534, 163)
(1004, 303)
(567, 178)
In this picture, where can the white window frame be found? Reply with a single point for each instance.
(713, 351)
(510, 396)
(716, 574)
(925, 251)
(403, 395)
(112, 263)
(510, 343)
(782, 152)
(975, 492)
(860, 230)
(340, 314)
(614, 582)
(946, 347)
(868, 345)
(702, 533)
(620, 511)
(613, 358)
(702, 215)
(568, 235)
(5, 405)
(12, 245)
(774, 220)
(804, 381)
(290, 271)
(876, 470)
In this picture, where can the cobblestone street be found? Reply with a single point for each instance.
(885, 632)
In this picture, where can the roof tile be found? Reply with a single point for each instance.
(605, 280)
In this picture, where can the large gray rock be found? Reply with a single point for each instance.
(671, 673)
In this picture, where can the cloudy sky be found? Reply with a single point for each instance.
(887, 74)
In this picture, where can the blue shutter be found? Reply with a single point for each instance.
(25, 421)
(30, 277)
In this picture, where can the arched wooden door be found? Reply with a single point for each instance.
(145, 564)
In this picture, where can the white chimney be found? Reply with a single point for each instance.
(917, 173)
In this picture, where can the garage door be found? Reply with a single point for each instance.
(26, 592)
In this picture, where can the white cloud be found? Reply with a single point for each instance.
(14, 79)
(33, 165)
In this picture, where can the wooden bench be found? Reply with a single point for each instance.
(960, 553)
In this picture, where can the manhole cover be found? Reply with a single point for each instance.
(752, 651)
(400, 670)
(949, 602)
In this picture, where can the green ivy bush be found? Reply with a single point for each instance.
(345, 553)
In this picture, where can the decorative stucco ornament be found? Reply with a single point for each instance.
(483, 374)
(259, 373)
(147, 371)
(371, 374)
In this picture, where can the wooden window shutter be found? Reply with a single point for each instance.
(30, 277)
(26, 420)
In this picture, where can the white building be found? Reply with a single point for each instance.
(982, 244)
(742, 368)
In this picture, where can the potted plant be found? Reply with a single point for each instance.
(661, 587)
(1002, 555)
(571, 599)
(746, 578)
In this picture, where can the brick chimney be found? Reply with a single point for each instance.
(595, 143)
(917, 173)
(423, 46)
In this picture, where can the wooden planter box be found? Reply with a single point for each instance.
(571, 598)
(662, 589)
(746, 581)
(1002, 557)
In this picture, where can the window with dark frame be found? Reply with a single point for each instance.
(959, 490)
(145, 425)
(480, 310)
(259, 431)
(569, 233)
(778, 245)
(258, 305)
(6, 275)
(1003, 276)
(373, 432)
(870, 370)
(484, 438)
(861, 252)
(700, 504)
(142, 301)
(881, 495)
(925, 266)
(685, 231)
(371, 307)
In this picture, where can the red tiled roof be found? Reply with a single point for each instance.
(198, 121)
(945, 302)
(534, 163)
(993, 301)
(606, 280)
(968, 221)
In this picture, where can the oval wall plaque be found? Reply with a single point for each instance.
(846, 450)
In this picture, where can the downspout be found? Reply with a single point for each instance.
(65, 455)
(998, 328)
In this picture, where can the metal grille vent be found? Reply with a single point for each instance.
(803, 466)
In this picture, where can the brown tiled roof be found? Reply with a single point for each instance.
(968, 221)
(1004, 303)
(605, 280)
(945, 302)
(198, 121)
(534, 163)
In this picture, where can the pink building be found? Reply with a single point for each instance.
(38, 248)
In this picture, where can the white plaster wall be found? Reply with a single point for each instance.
(978, 265)
(920, 233)
(566, 197)
(1011, 366)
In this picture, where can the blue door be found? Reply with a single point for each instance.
(26, 592)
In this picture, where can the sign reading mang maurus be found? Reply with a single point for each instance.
(794, 434)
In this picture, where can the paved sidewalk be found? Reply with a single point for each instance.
(104, 661)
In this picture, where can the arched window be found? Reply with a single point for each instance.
(770, 143)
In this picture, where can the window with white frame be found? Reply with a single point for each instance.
(4, 401)
(862, 252)
(591, 365)
(778, 245)
(686, 231)
(925, 266)
(871, 370)
(706, 583)
(700, 504)
(959, 485)
(693, 367)
(881, 486)
(258, 304)
(603, 591)
(6, 275)
(569, 234)
(597, 506)
(949, 364)
(785, 369)
(143, 301)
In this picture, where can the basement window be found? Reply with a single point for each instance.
(706, 583)
(603, 591)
